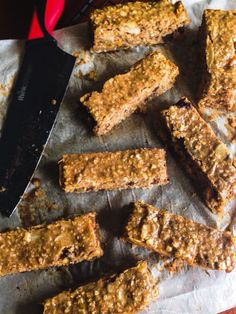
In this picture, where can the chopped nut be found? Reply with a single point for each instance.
(130, 27)
(221, 151)
(27, 237)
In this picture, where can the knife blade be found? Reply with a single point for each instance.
(33, 105)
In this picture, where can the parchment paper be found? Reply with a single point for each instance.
(189, 291)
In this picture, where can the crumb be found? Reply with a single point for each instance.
(174, 266)
(36, 182)
(2, 189)
(35, 206)
(79, 74)
(5, 88)
(82, 57)
(91, 76)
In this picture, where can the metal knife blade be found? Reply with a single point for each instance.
(32, 110)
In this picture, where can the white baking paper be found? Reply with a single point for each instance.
(187, 292)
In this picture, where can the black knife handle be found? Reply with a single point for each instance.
(40, 7)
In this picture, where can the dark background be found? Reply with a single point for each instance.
(15, 15)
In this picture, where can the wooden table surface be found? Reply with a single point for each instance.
(15, 17)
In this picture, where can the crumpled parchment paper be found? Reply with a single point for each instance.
(189, 291)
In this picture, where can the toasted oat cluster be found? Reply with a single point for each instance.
(127, 293)
(125, 93)
(218, 33)
(113, 170)
(135, 24)
(175, 236)
(61, 243)
(204, 157)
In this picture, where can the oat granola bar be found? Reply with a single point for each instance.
(125, 93)
(218, 33)
(61, 243)
(203, 156)
(135, 24)
(113, 170)
(185, 240)
(127, 293)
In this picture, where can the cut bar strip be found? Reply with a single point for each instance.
(178, 237)
(203, 156)
(125, 93)
(127, 293)
(113, 170)
(218, 33)
(61, 243)
(135, 24)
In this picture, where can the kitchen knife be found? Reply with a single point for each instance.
(33, 104)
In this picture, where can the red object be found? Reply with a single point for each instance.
(53, 12)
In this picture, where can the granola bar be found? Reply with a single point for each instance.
(218, 33)
(113, 170)
(61, 243)
(127, 293)
(135, 24)
(125, 93)
(203, 156)
(175, 236)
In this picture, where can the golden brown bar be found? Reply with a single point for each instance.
(135, 24)
(125, 93)
(218, 33)
(178, 237)
(61, 243)
(203, 156)
(127, 293)
(138, 168)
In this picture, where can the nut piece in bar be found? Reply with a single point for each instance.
(125, 93)
(180, 238)
(203, 156)
(127, 293)
(61, 243)
(218, 33)
(135, 24)
(138, 168)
